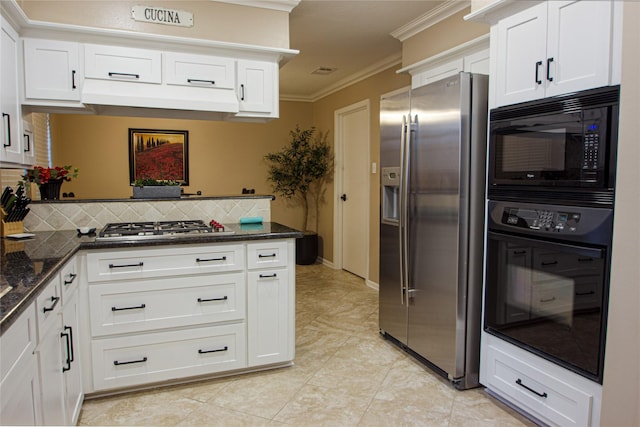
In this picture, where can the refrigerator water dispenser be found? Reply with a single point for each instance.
(390, 195)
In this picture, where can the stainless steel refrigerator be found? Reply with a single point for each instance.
(432, 160)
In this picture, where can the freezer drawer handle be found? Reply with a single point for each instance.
(55, 302)
(144, 359)
(225, 348)
(519, 382)
(224, 298)
(224, 258)
(140, 264)
(128, 308)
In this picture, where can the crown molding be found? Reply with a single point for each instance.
(437, 14)
(281, 5)
(352, 79)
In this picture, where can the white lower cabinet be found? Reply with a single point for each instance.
(168, 313)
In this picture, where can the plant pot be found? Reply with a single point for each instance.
(307, 248)
(51, 190)
(156, 192)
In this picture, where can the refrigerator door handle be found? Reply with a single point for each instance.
(402, 216)
(404, 211)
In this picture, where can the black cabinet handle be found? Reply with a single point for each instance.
(544, 264)
(242, 92)
(267, 256)
(225, 348)
(140, 264)
(70, 329)
(538, 64)
(548, 299)
(519, 252)
(27, 140)
(72, 278)
(549, 61)
(580, 294)
(519, 382)
(144, 359)
(137, 307)
(224, 298)
(8, 123)
(267, 276)
(210, 82)
(73, 79)
(55, 302)
(224, 258)
(585, 259)
(68, 361)
(137, 76)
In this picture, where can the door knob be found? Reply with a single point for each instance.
(343, 197)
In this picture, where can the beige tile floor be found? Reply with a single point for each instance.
(345, 374)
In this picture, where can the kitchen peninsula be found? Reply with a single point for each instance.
(103, 316)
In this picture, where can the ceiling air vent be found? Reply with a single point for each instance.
(323, 71)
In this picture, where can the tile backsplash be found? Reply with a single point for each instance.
(71, 215)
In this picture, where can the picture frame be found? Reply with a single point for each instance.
(159, 155)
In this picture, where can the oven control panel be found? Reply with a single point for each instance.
(541, 219)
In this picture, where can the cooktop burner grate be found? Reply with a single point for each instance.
(159, 229)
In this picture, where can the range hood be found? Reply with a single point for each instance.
(122, 98)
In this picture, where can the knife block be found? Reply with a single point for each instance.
(7, 228)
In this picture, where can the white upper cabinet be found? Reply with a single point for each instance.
(257, 88)
(123, 63)
(52, 70)
(199, 70)
(11, 151)
(553, 48)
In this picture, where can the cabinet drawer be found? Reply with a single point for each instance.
(69, 279)
(199, 70)
(268, 254)
(162, 262)
(48, 305)
(123, 63)
(19, 340)
(538, 393)
(133, 360)
(165, 303)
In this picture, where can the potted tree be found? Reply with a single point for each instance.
(298, 171)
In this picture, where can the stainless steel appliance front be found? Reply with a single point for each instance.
(431, 257)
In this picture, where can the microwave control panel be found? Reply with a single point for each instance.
(541, 219)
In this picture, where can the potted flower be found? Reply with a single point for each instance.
(49, 180)
(298, 171)
(148, 188)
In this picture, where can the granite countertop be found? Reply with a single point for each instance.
(28, 264)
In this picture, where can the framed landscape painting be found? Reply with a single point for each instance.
(159, 154)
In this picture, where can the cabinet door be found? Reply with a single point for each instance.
(270, 317)
(50, 358)
(199, 70)
(257, 86)
(51, 70)
(11, 150)
(578, 47)
(123, 63)
(520, 59)
(72, 371)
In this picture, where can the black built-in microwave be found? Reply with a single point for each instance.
(557, 147)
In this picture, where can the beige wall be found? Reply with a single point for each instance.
(211, 20)
(442, 36)
(223, 157)
(622, 363)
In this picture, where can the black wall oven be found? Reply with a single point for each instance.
(565, 144)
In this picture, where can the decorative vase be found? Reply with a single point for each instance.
(51, 189)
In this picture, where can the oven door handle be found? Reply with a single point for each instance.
(585, 251)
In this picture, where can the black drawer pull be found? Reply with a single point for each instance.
(580, 294)
(242, 92)
(55, 302)
(519, 382)
(267, 276)
(519, 252)
(136, 76)
(585, 259)
(73, 79)
(71, 279)
(544, 264)
(224, 298)
(225, 348)
(266, 256)
(548, 300)
(144, 359)
(211, 82)
(128, 308)
(224, 258)
(140, 264)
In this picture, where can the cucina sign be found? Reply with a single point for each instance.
(160, 15)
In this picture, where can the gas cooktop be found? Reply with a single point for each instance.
(160, 230)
